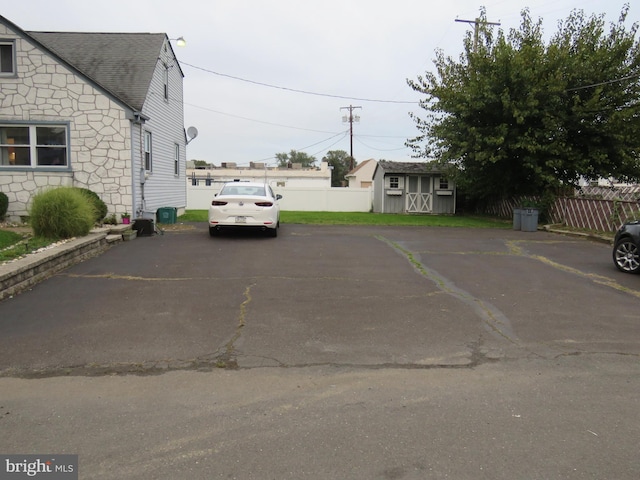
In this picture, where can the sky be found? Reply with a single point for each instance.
(269, 76)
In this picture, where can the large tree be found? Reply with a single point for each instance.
(341, 162)
(284, 159)
(516, 116)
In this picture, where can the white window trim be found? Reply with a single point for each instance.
(14, 68)
(387, 182)
(33, 146)
(148, 150)
(176, 160)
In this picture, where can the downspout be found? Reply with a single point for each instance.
(139, 210)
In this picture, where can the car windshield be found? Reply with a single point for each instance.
(242, 190)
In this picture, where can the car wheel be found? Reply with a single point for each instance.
(213, 231)
(626, 256)
(273, 232)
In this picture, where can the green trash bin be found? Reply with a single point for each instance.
(167, 215)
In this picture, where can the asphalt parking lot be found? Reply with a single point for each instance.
(330, 352)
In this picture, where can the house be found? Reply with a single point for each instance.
(412, 187)
(102, 111)
(292, 176)
(362, 175)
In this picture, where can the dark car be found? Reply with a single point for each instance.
(626, 248)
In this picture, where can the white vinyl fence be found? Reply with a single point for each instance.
(308, 199)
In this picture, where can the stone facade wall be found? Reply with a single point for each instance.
(100, 133)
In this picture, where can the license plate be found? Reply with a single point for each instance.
(241, 219)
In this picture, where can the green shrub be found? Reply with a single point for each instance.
(99, 206)
(61, 213)
(4, 205)
(110, 220)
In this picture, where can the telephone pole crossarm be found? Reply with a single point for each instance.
(351, 108)
(477, 22)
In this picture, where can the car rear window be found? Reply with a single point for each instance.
(242, 190)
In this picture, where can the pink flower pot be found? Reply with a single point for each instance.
(126, 220)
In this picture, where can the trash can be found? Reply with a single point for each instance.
(529, 219)
(517, 218)
(167, 215)
(144, 227)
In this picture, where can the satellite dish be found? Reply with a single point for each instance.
(192, 132)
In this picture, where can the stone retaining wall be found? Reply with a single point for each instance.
(25, 272)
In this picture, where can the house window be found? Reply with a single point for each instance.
(33, 146)
(148, 163)
(166, 83)
(176, 160)
(7, 58)
(444, 184)
(394, 182)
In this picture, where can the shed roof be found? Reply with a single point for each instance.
(409, 167)
(121, 63)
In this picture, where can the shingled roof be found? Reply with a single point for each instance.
(121, 63)
(409, 167)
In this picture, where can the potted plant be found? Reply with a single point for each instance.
(126, 218)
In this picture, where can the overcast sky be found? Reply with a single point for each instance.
(342, 52)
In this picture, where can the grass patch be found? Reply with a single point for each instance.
(8, 238)
(363, 218)
(13, 245)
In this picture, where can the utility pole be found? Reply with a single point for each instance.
(476, 23)
(351, 118)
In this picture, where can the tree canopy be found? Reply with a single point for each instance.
(517, 116)
(340, 161)
(284, 159)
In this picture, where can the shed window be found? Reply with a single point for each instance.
(394, 182)
(444, 184)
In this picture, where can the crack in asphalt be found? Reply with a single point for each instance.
(228, 361)
(493, 318)
(228, 358)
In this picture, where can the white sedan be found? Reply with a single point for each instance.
(245, 205)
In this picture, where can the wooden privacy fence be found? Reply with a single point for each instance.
(592, 214)
(597, 214)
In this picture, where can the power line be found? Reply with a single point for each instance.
(608, 82)
(254, 120)
(306, 92)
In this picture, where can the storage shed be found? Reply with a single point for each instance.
(412, 187)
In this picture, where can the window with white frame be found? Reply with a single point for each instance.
(148, 160)
(7, 58)
(444, 184)
(394, 182)
(176, 160)
(166, 83)
(33, 146)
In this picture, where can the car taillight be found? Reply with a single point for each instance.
(264, 204)
(217, 203)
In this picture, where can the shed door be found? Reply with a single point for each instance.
(419, 196)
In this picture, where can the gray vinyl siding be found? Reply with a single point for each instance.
(163, 188)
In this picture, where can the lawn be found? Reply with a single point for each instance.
(14, 245)
(362, 218)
